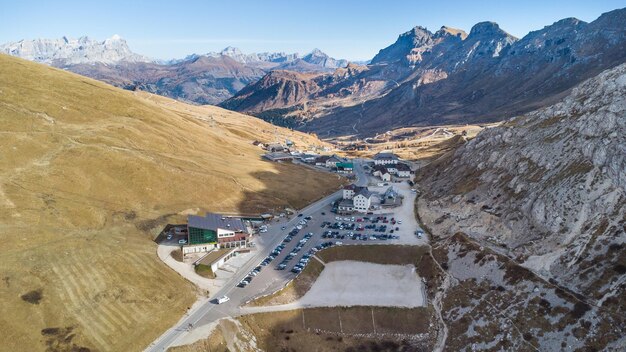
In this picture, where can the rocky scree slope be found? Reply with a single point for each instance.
(548, 190)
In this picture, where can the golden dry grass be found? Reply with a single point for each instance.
(88, 174)
(415, 143)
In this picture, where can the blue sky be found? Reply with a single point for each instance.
(354, 30)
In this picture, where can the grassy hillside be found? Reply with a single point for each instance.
(88, 174)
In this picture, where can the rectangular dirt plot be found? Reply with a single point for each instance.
(356, 320)
(322, 318)
(402, 321)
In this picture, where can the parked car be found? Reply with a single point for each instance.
(223, 299)
(300, 215)
(182, 241)
(169, 237)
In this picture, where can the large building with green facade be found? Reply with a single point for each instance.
(215, 231)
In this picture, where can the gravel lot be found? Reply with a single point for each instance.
(349, 283)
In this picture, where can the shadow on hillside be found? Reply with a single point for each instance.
(291, 186)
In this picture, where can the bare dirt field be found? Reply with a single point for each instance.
(363, 329)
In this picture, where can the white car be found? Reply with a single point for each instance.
(182, 241)
(400, 222)
(223, 299)
(169, 237)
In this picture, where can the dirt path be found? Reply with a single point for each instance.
(442, 334)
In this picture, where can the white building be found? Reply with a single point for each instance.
(348, 191)
(382, 172)
(332, 162)
(362, 200)
(329, 161)
(385, 159)
(404, 170)
(345, 206)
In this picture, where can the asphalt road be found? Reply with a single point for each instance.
(269, 279)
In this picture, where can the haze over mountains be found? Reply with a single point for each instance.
(424, 78)
(199, 78)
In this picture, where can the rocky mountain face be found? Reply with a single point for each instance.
(68, 51)
(449, 77)
(279, 93)
(534, 212)
(202, 80)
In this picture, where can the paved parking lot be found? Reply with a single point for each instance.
(269, 279)
(322, 229)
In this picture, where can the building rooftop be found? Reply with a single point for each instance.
(216, 255)
(403, 167)
(353, 187)
(364, 192)
(381, 168)
(212, 221)
(345, 203)
(322, 158)
(274, 156)
(381, 156)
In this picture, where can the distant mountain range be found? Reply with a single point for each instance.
(425, 78)
(445, 77)
(67, 51)
(203, 79)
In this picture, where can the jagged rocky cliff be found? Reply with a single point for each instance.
(450, 77)
(548, 190)
(68, 51)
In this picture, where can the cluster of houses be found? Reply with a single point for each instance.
(278, 152)
(333, 162)
(387, 165)
(357, 199)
